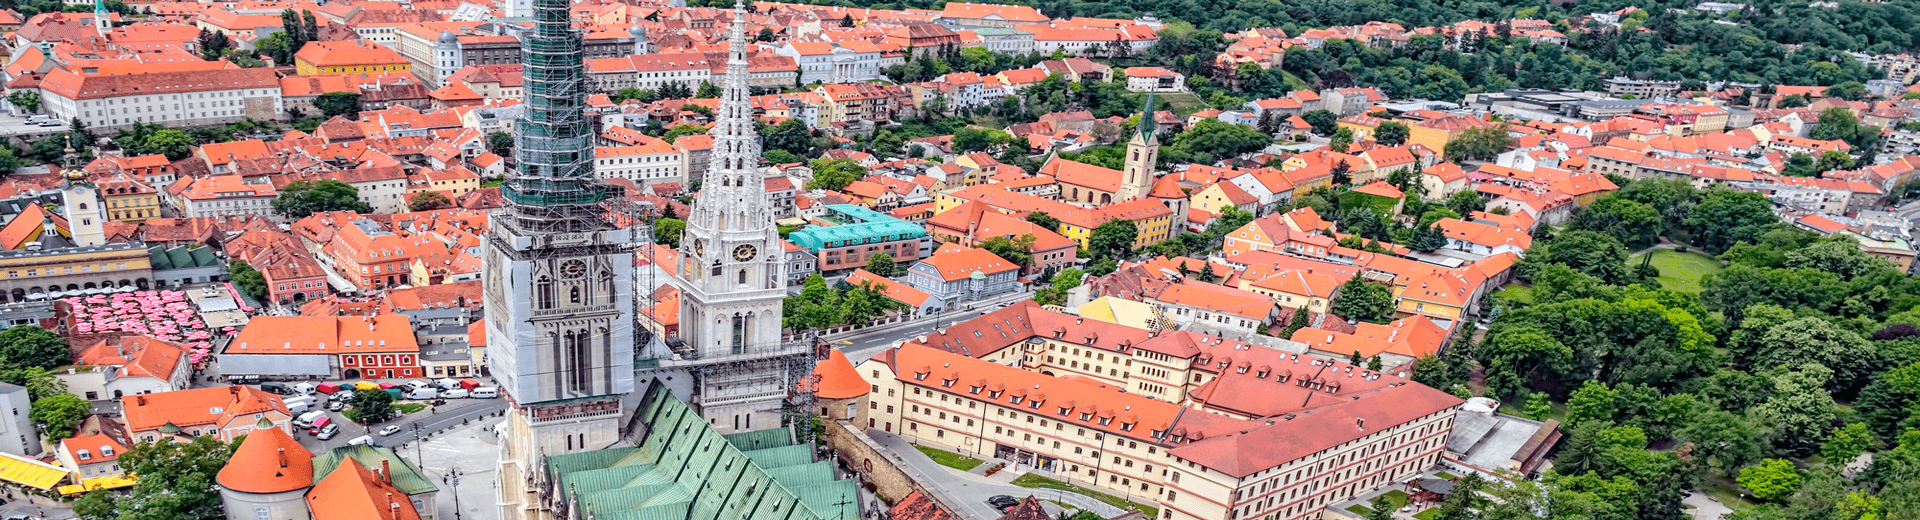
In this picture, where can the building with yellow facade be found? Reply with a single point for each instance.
(129, 199)
(348, 57)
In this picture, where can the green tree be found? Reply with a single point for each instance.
(302, 198)
(1379, 508)
(707, 90)
(1593, 401)
(1042, 219)
(1634, 224)
(39, 381)
(1771, 479)
(1480, 143)
(1113, 239)
(500, 143)
(248, 279)
(882, 264)
(60, 414)
(96, 504)
(1539, 407)
(1323, 122)
(372, 407)
(1362, 300)
(1592, 253)
(1466, 202)
(679, 131)
(835, 174)
(1846, 443)
(175, 144)
(1724, 217)
(428, 201)
(1014, 249)
(32, 347)
(792, 136)
(668, 230)
(338, 104)
(1840, 124)
(968, 140)
(1341, 140)
(176, 480)
(1391, 133)
(27, 100)
(1213, 140)
(276, 46)
(1056, 291)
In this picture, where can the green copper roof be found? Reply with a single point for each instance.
(1146, 116)
(407, 478)
(685, 470)
(857, 225)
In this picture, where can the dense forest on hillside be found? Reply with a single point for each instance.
(1785, 42)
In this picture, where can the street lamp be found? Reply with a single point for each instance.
(416, 443)
(452, 479)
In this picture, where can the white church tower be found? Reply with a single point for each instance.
(731, 274)
(82, 205)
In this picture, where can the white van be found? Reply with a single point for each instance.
(447, 383)
(418, 383)
(363, 439)
(305, 388)
(298, 404)
(305, 420)
(422, 393)
(457, 393)
(486, 392)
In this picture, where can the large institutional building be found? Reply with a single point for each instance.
(1209, 428)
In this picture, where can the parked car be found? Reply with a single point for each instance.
(363, 439)
(390, 430)
(330, 431)
(321, 424)
(1002, 502)
(337, 406)
(454, 394)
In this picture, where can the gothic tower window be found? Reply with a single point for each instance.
(573, 295)
(739, 333)
(743, 277)
(543, 292)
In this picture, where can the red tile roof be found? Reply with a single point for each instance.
(835, 378)
(269, 461)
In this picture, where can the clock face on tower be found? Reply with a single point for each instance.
(573, 269)
(744, 253)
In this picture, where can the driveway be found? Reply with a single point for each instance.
(1704, 508)
(969, 492)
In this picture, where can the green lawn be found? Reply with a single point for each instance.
(1398, 498)
(1428, 514)
(950, 459)
(1361, 510)
(1682, 271)
(1294, 82)
(1516, 292)
(1179, 102)
(1445, 475)
(1038, 482)
(407, 408)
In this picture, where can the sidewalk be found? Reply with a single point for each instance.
(968, 491)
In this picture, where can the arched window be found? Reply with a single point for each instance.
(743, 277)
(573, 295)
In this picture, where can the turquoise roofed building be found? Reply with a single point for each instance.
(684, 470)
(846, 235)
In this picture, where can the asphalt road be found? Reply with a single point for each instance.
(430, 420)
(865, 343)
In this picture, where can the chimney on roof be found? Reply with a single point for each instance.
(386, 472)
(283, 457)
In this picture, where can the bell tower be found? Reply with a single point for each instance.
(731, 275)
(1143, 151)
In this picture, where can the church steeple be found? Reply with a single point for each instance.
(731, 266)
(1142, 152)
(101, 19)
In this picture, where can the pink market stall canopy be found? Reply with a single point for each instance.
(165, 315)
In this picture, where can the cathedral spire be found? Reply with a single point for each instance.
(732, 196)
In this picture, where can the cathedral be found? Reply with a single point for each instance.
(560, 284)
